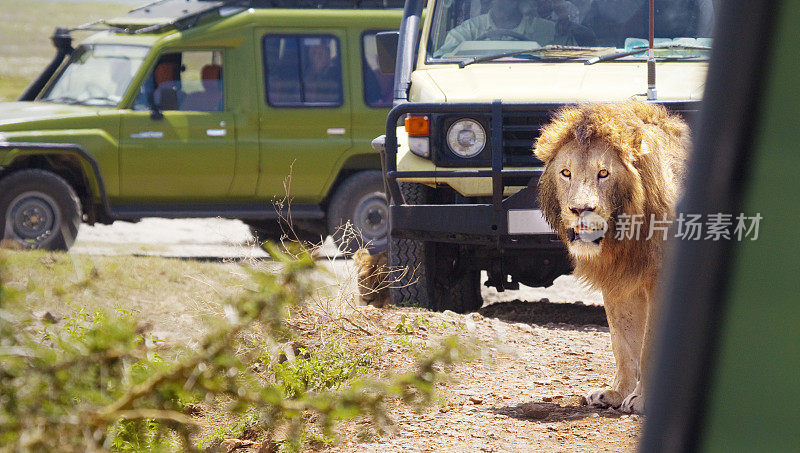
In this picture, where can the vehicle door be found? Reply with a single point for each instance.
(179, 142)
(305, 124)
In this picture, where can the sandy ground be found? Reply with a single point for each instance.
(546, 348)
(523, 395)
(191, 238)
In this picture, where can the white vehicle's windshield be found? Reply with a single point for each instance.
(96, 75)
(473, 28)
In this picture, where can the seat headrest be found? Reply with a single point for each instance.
(211, 72)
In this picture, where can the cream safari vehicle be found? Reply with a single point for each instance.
(475, 80)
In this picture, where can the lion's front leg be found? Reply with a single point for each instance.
(604, 397)
(635, 402)
(626, 321)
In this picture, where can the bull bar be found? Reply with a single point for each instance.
(459, 221)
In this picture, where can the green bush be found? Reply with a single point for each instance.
(326, 369)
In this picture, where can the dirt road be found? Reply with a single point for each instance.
(546, 347)
(524, 395)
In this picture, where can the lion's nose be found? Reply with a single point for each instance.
(580, 210)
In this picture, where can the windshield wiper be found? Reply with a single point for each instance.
(547, 48)
(640, 49)
(63, 100)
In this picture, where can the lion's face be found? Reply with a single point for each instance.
(584, 185)
(603, 160)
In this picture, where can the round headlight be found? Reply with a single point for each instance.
(466, 138)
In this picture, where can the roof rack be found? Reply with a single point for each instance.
(175, 7)
(182, 14)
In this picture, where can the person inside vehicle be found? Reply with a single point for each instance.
(321, 74)
(503, 21)
(567, 19)
(167, 94)
(210, 98)
(377, 87)
(162, 90)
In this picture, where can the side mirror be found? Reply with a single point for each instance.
(386, 42)
(155, 109)
(155, 114)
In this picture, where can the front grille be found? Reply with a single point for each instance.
(520, 129)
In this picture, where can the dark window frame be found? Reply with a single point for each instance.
(364, 68)
(298, 36)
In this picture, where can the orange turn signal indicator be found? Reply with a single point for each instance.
(417, 125)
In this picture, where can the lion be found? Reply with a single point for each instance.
(373, 281)
(608, 167)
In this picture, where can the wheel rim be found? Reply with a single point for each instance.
(371, 217)
(32, 218)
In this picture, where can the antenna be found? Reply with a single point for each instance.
(651, 56)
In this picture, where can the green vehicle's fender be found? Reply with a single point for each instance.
(61, 157)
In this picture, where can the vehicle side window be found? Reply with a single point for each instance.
(304, 70)
(186, 81)
(377, 85)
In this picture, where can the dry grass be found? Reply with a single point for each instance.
(178, 299)
(174, 297)
(25, 47)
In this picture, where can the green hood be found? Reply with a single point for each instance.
(17, 113)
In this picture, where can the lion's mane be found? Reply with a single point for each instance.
(652, 145)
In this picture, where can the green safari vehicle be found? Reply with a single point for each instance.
(233, 109)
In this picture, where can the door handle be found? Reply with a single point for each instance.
(336, 131)
(148, 134)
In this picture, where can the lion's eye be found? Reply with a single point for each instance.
(566, 173)
(602, 174)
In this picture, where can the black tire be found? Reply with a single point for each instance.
(39, 210)
(361, 202)
(432, 275)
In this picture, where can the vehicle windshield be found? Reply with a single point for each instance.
(464, 29)
(96, 75)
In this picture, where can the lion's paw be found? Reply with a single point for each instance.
(604, 398)
(633, 404)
